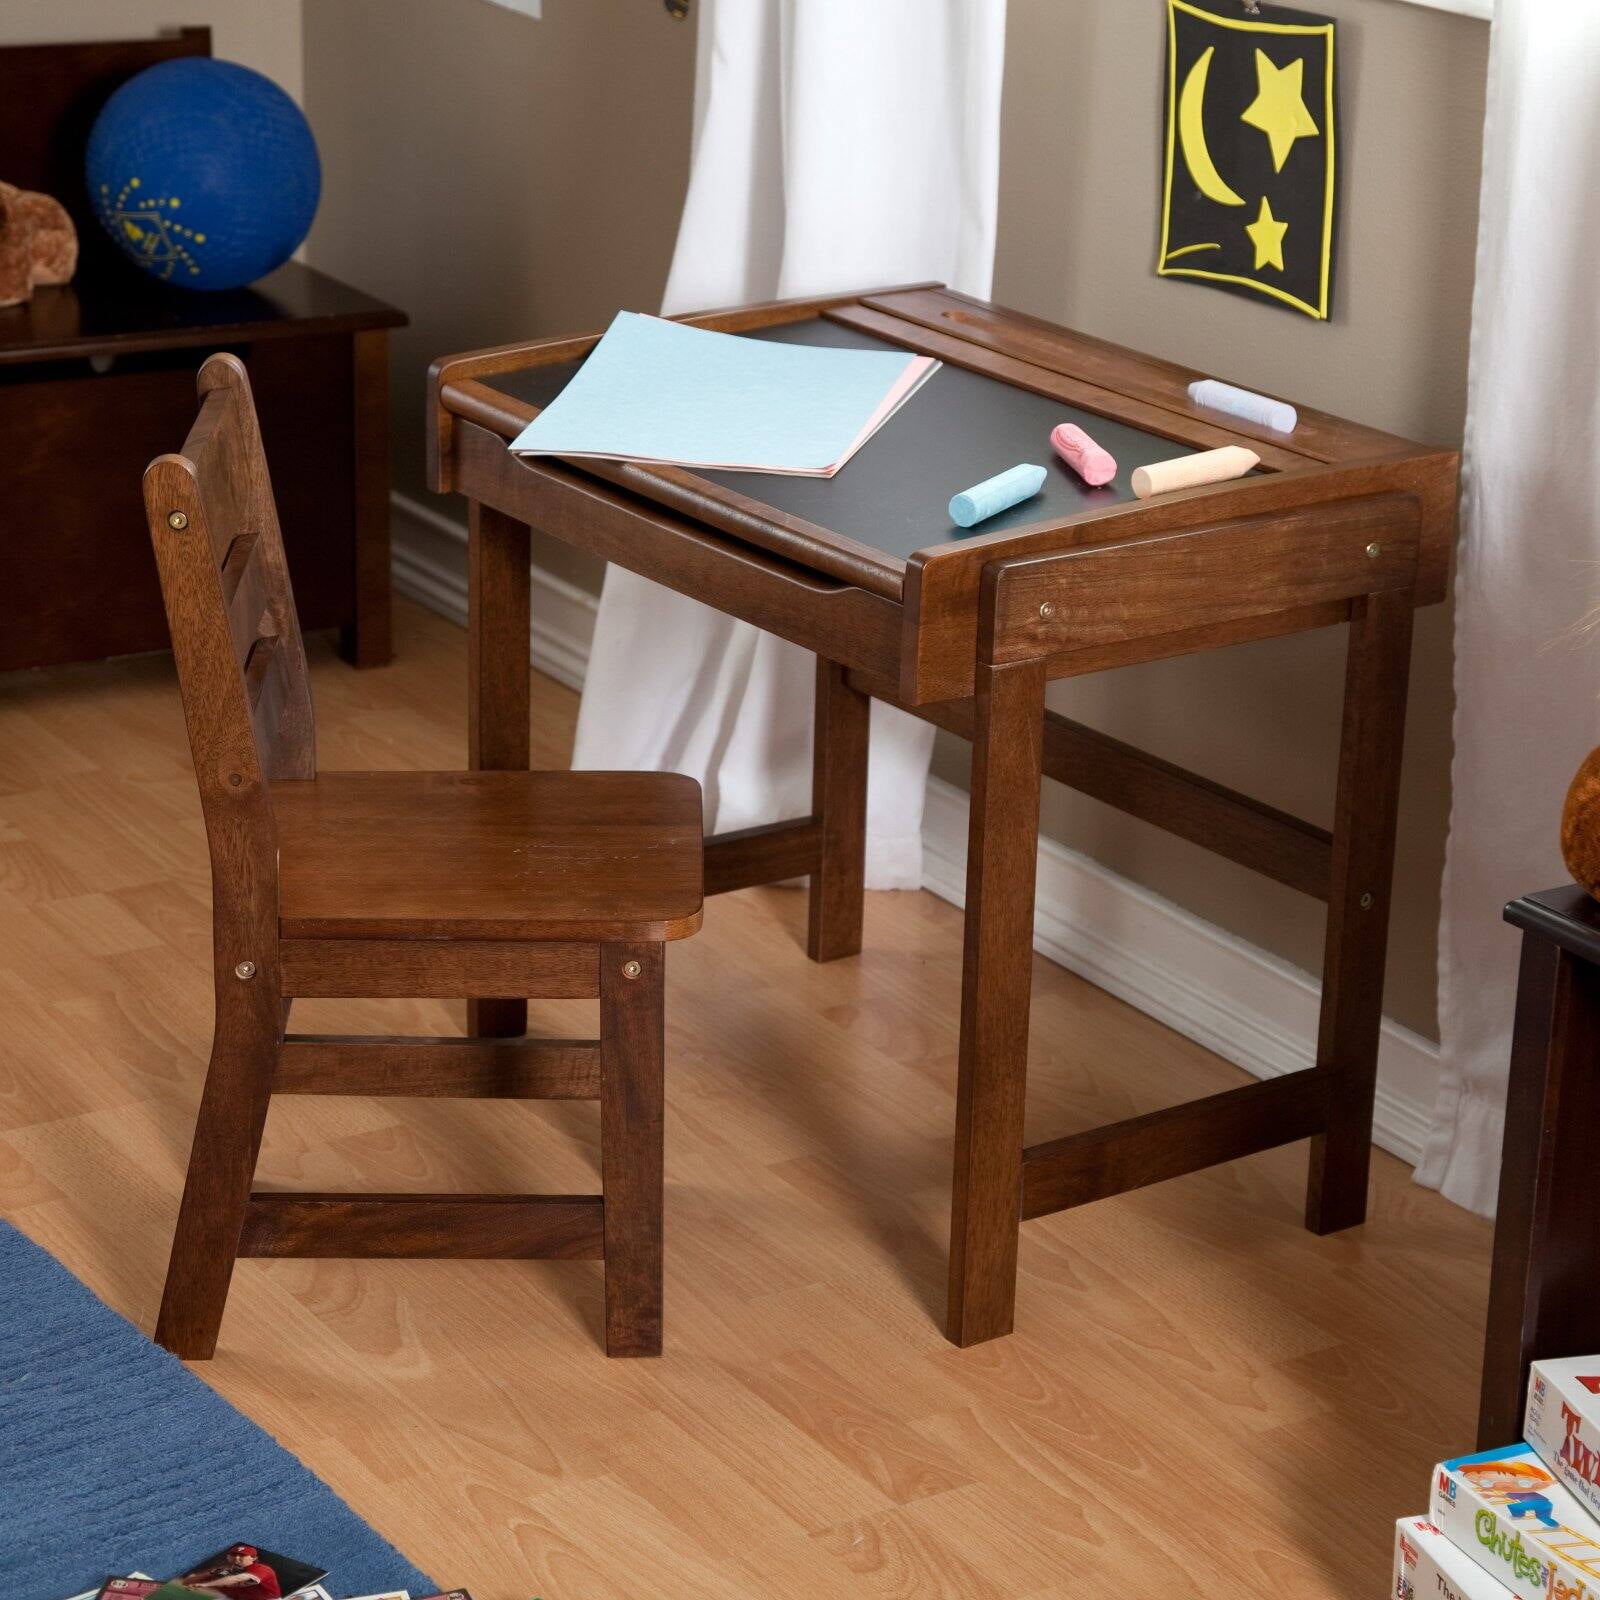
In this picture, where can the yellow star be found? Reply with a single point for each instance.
(1279, 108)
(1266, 234)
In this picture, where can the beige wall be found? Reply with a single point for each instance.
(1080, 160)
(500, 178)
(264, 34)
(496, 177)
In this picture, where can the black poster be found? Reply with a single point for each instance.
(1249, 182)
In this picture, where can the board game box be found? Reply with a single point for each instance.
(1563, 1423)
(1507, 1510)
(1428, 1567)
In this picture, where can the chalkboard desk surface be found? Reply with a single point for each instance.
(1341, 524)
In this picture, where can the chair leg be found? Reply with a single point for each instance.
(631, 1143)
(222, 1162)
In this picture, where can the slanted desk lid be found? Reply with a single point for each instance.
(894, 494)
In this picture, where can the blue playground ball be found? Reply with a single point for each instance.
(203, 172)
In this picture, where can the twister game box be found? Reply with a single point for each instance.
(1507, 1511)
(1428, 1567)
(1564, 1423)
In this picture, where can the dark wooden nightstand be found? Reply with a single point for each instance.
(1544, 1297)
(98, 376)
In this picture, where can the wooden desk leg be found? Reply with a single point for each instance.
(498, 622)
(367, 642)
(1543, 1299)
(839, 802)
(1376, 680)
(996, 979)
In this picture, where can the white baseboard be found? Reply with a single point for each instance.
(1232, 997)
(430, 566)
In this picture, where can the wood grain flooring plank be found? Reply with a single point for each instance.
(809, 1433)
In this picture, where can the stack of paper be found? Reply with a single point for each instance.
(661, 392)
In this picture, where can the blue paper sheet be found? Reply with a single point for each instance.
(653, 390)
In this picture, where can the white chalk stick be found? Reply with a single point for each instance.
(1215, 395)
(1186, 472)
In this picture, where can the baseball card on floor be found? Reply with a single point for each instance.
(248, 1572)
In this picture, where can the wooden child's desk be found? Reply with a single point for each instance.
(1341, 524)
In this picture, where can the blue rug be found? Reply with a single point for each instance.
(114, 1457)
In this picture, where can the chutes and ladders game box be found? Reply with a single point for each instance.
(1508, 1511)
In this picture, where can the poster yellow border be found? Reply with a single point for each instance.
(1163, 269)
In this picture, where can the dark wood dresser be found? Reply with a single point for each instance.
(97, 377)
(1544, 1296)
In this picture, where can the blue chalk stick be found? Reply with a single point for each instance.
(996, 494)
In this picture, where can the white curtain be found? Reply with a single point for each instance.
(1527, 694)
(837, 145)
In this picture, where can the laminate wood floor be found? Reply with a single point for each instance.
(1201, 1398)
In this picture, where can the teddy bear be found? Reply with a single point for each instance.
(1580, 825)
(38, 243)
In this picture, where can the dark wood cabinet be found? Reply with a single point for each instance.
(1544, 1296)
(98, 376)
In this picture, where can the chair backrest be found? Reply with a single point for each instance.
(235, 635)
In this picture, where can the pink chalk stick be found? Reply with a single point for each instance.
(1094, 465)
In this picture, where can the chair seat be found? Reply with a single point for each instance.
(586, 856)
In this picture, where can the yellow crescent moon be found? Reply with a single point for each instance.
(1192, 135)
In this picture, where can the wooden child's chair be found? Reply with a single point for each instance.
(398, 884)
